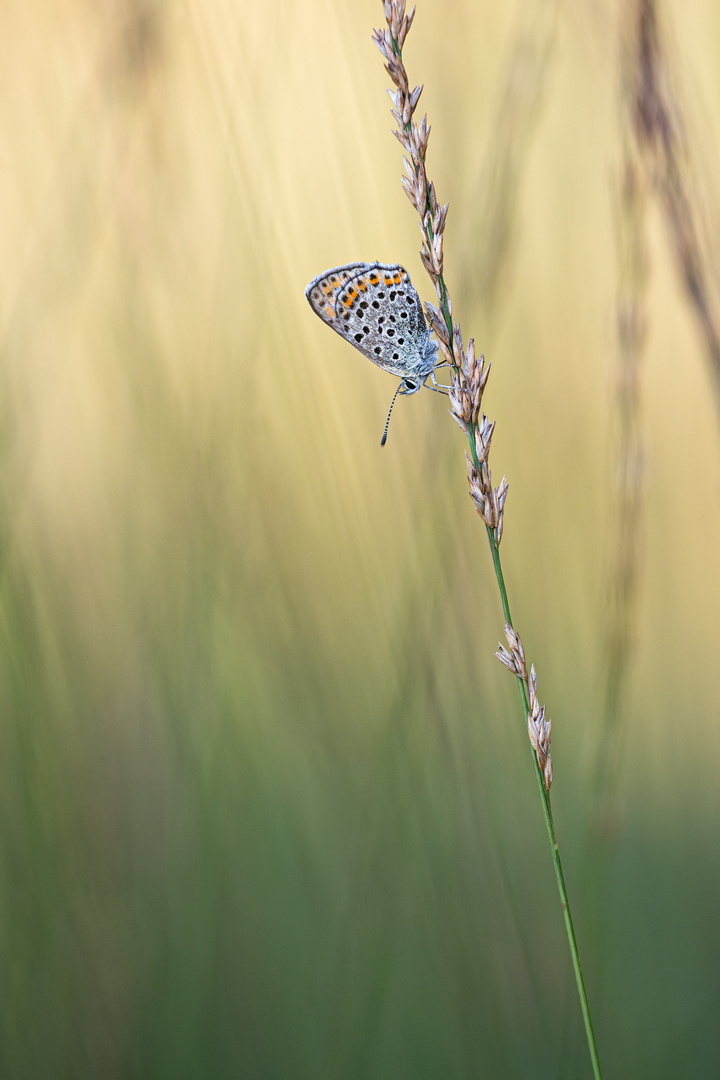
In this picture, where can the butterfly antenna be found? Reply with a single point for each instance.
(387, 422)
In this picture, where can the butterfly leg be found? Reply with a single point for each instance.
(437, 387)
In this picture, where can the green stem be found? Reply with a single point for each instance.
(549, 825)
(522, 684)
(547, 809)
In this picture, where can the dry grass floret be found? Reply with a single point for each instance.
(469, 378)
(469, 373)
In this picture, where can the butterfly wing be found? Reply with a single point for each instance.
(382, 316)
(322, 292)
(375, 307)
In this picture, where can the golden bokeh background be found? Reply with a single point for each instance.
(267, 806)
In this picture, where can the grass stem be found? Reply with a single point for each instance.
(469, 378)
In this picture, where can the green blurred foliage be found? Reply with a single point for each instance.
(267, 807)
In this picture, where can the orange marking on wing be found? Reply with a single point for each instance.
(329, 311)
(347, 300)
(361, 284)
(374, 279)
(397, 279)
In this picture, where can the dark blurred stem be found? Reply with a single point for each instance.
(662, 142)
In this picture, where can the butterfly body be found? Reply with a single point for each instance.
(375, 307)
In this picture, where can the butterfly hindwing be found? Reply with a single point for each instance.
(323, 290)
(375, 307)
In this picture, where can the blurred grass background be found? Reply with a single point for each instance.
(267, 808)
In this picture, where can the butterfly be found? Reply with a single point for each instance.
(376, 308)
